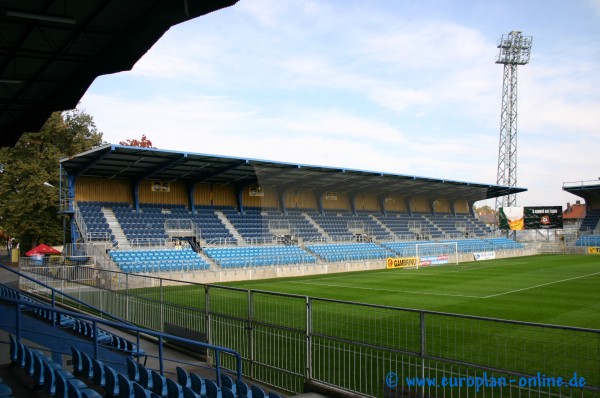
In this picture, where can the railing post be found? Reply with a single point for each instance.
(18, 322)
(423, 350)
(162, 308)
(308, 372)
(251, 333)
(127, 297)
(218, 366)
(160, 355)
(207, 314)
(95, 329)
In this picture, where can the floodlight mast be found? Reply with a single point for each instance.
(515, 50)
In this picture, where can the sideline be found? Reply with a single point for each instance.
(543, 284)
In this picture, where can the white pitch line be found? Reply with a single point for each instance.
(386, 290)
(543, 284)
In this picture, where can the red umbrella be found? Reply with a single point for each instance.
(41, 250)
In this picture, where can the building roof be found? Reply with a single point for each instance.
(52, 50)
(574, 212)
(115, 161)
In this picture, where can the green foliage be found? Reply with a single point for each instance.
(485, 209)
(28, 208)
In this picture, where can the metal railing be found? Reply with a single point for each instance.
(23, 306)
(286, 340)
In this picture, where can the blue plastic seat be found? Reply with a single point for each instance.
(198, 384)
(159, 383)
(183, 377)
(99, 373)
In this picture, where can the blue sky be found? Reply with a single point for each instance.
(400, 86)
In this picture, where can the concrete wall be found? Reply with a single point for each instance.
(289, 271)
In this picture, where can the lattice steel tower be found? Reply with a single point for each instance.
(515, 50)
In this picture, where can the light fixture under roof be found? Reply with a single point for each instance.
(10, 81)
(40, 17)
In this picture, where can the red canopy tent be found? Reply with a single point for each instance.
(41, 250)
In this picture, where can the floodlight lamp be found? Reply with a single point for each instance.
(40, 17)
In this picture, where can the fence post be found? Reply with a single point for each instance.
(308, 372)
(127, 297)
(423, 350)
(18, 321)
(207, 313)
(162, 306)
(251, 333)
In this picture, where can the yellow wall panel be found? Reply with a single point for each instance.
(90, 189)
(367, 202)
(395, 203)
(268, 200)
(176, 195)
(223, 195)
(420, 205)
(340, 204)
(461, 207)
(443, 206)
(202, 195)
(298, 199)
(306, 200)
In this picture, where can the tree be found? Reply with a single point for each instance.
(143, 143)
(486, 214)
(485, 209)
(28, 207)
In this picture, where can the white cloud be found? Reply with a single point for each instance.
(357, 86)
(595, 5)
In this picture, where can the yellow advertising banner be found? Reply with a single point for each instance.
(593, 250)
(402, 262)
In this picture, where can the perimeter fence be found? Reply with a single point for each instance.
(287, 340)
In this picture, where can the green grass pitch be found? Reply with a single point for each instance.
(551, 289)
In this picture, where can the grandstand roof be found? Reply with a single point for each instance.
(115, 161)
(52, 50)
(588, 190)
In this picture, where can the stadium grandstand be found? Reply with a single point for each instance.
(205, 217)
(134, 311)
(121, 312)
(589, 230)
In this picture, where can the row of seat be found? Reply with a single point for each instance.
(189, 385)
(259, 256)
(47, 374)
(254, 223)
(350, 251)
(162, 260)
(78, 326)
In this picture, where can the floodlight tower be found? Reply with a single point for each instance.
(515, 50)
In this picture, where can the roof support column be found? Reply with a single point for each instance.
(135, 190)
(382, 205)
(453, 208)
(239, 198)
(71, 179)
(470, 203)
(191, 188)
(282, 194)
(432, 206)
(352, 200)
(408, 204)
(320, 202)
